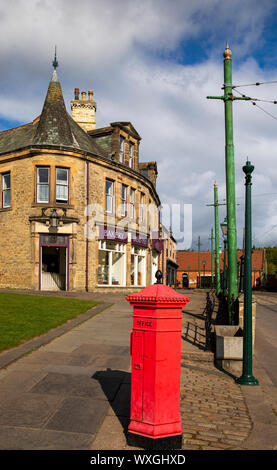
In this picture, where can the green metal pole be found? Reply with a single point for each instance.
(212, 256)
(247, 377)
(216, 227)
(199, 266)
(225, 270)
(230, 185)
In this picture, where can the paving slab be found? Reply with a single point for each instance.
(79, 415)
(80, 385)
(21, 438)
(29, 410)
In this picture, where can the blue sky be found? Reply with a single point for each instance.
(153, 62)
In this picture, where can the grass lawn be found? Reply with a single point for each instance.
(23, 317)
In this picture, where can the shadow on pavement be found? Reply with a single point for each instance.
(120, 399)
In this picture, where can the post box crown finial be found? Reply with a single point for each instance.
(159, 276)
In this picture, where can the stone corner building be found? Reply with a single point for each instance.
(65, 187)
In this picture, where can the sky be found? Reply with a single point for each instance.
(154, 62)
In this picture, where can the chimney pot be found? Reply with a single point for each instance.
(76, 92)
(90, 95)
(84, 95)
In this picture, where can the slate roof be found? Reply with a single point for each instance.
(54, 128)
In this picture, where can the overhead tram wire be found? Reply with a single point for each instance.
(254, 84)
(253, 101)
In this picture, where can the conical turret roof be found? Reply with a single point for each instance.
(53, 127)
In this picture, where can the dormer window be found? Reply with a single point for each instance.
(131, 155)
(121, 150)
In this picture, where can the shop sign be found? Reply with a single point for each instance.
(113, 234)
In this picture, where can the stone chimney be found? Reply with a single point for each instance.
(83, 110)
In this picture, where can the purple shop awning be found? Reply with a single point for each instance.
(157, 245)
(139, 240)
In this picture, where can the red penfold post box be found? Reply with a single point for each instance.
(156, 367)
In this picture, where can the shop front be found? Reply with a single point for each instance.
(112, 257)
(138, 260)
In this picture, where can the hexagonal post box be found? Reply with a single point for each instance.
(156, 367)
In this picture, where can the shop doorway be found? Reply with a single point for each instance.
(53, 266)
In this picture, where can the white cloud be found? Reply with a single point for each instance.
(127, 52)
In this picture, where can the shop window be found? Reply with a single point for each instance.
(43, 181)
(138, 266)
(154, 266)
(6, 190)
(111, 263)
(62, 183)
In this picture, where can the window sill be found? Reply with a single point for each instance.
(55, 204)
(5, 209)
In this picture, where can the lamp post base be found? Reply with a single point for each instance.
(247, 380)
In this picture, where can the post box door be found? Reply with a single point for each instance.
(137, 375)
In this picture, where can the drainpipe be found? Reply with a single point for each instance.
(87, 234)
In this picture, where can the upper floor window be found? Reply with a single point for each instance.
(132, 203)
(6, 190)
(141, 213)
(121, 150)
(131, 155)
(109, 203)
(124, 200)
(43, 180)
(62, 183)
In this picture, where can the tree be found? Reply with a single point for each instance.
(271, 257)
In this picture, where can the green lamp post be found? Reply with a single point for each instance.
(228, 99)
(216, 281)
(204, 277)
(247, 377)
(212, 257)
(199, 265)
(224, 229)
(216, 226)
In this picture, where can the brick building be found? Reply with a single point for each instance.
(75, 200)
(188, 270)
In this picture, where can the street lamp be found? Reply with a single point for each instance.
(247, 378)
(224, 229)
(54, 219)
